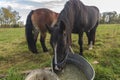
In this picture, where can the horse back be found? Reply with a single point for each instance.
(93, 10)
(92, 17)
(86, 17)
(43, 16)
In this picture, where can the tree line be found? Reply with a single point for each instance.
(9, 18)
(110, 18)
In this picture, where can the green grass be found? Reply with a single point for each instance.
(13, 74)
(15, 56)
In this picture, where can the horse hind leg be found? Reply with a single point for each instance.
(90, 42)
(87, 34)
(36, 32)
(92, 37)
(42, 41)
(91, 45)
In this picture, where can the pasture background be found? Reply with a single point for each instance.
(105, 56)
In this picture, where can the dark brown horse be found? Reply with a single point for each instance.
(36, 22)
(74, 18)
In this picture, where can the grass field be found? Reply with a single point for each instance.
(105, 56)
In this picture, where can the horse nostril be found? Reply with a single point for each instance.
(58, 67)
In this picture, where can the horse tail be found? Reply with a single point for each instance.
(29, 33)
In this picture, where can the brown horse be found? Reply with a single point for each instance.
(36, 22)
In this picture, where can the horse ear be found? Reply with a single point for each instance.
(62, 26)
(50, 29)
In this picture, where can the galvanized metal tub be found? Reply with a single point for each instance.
(82, 64)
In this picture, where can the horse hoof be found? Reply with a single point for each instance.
(90, 48)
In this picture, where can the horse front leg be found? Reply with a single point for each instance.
(80, 42)
(70, 44)
(42, 40)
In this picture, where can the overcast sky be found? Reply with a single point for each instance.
(24, 6)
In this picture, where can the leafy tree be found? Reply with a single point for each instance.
(8, 17)
(109, 17)
(1, 16)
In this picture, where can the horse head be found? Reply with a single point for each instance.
(59, 44)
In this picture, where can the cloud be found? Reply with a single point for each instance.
(15, 5)
(25, 6)
(41, 0)
(49, 3)
(46, 0)
(32, 4)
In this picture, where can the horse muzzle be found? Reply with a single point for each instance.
(59, 66)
